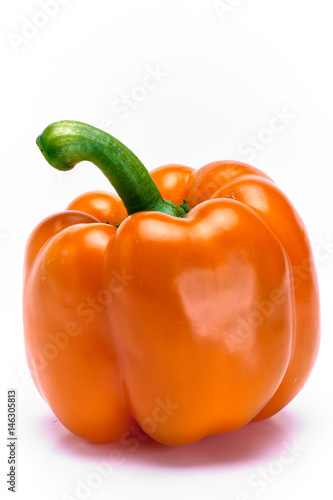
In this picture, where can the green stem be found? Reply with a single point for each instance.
(66, 143)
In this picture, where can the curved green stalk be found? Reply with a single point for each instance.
(66, 143)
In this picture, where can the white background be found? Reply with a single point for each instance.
(225, 69)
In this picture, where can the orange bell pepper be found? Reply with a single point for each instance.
(192, 314)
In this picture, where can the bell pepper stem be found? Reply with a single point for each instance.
(66, 143)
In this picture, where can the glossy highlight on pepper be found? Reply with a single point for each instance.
(188, 305)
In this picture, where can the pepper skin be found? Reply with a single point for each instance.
(191, 318)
